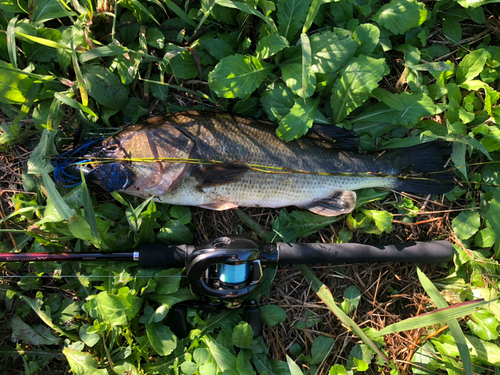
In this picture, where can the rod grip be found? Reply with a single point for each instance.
(159, 255)
(410, 252)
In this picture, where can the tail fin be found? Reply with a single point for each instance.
(426, 173)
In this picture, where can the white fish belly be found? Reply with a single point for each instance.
(260, 189)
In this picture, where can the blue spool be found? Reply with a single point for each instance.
(233, 274)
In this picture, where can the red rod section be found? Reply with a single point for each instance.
(41, 257)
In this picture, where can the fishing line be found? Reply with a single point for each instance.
(282, 170)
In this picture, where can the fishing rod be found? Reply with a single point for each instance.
(227, 269)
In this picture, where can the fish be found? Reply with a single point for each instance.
(221, 161)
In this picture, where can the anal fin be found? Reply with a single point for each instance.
(342, 202)
(219, 206)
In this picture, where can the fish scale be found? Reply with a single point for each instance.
(246, 164)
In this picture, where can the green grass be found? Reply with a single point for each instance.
(398, 73)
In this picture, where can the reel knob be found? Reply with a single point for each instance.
(227, 268)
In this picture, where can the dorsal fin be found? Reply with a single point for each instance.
(336, 136)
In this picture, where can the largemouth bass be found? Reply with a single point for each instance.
(221, 161)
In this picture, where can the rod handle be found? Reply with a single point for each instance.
(410, 252)
(159, 255)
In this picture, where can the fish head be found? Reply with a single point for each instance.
(145, 160)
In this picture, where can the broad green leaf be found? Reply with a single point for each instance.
(337, 370)
(182, 65)
(225, 360)
(493, 208)
(90, 339)
(81, 363)
(422, 357)
(218, 48)
(247, 9)
(331, 50)
(40, 157)
(485, 238)
(320, 348)
(474, 3)
(175, 231)
(272, 315)
(471, 65)
(382, 219)
(14, 6)
(238, 76)
(466, 224)
(22, 332)
(291, 16)
(484, 325)
(355, 83)
(14, 85)
(161, 338)
(105, 87)
(167, 281)
(270, 45)
(36, 305)
(155, 38)
(293, 367)
(304, 223)
(118, 309)
(299, 120)
(452, 30)
(80, 228)
(368, 36)
(408, 108)
(458, 158)
(46, 10)
(293, 75)
(148, 224)
(482, 351)
(277, 101)
(352, 297)
(399, 16)
(62, 208)
(242, 335)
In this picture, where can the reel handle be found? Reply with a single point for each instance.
(408, 252)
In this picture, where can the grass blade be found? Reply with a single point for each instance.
(182, 15)
(42, 41)
(326, 296)
(11, 42)
(435, 317)
(73, 103)
(79, 78)
(455, 329)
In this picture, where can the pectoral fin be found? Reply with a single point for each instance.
(220, 174)
(340, 203)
